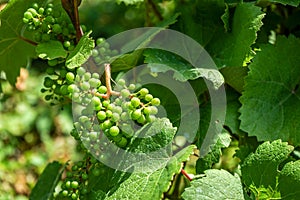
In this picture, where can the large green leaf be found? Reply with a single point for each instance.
(151, 185)
(51, 50)
(217, 184)
(284, 2)
(289, 181)
(232, 48)
(270, 103)
(15, 50)
(261, 168)
(44, 188)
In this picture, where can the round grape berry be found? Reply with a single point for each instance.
(114, 131)
(135, 102)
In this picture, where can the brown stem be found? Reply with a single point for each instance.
(78, 29)
(28, 41)
(109, 92)
(155, 10)
(186, 175)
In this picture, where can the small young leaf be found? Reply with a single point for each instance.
(289, 181)
(81, 53)
(51, 50)
(261, 168)
(217, 184)
(44, 188)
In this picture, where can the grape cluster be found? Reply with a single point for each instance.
(118, 114)
(50, 23)
(103, 53)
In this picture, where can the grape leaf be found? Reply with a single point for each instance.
(289, 181)
(81, 53)
(284, 2)
(12, 39)
(232, 48)
(151, 185)
(270, 103)
(47, 182)
(162, 61)
(213, 157)
(217, 184)
(261, 168)
(51, 50)
(234, 76)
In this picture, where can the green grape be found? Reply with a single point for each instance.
(35, 6)
(56, 28)
(131, 87)
(110, 107)
(36, 22)
(155, 102)
(117, 109)
(150, 118)
(81, 71)
(135, 102)
(122, 143)
(154, 110)
(125, 93)
(95, 53)
(141, 119)
(115, 117)
(74, 184)
(101, 115)
(84, 176)
(85, 86)
(50, 19)
(48, 82)
(109, 113)
(96, 172)
(49, 11)
(74, 196)
(136, 114)
(67, 44)
(96, 76)
(70, 77)
(100, 40)
(96, 101)
(72, 88)
(144, 91)
(147, 110)
(25, 20)
(105, 103)
(65, 193)
(50, 5)
(107, 124)
(124, 116)
(87, 76)
(114, 131)
(33, 11)
(148, 97)
(68, 184)
(102, 89)
(28, 15)
(41, 11)
(95, 83)
(121, 82)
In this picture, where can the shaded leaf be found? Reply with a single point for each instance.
(51, 50)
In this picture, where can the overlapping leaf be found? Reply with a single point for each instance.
(271, 100)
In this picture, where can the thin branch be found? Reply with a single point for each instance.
(186, 175)
(28, 41)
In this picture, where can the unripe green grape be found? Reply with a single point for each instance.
(99, 41)
(74, 196)
(115, 117)
(67, 44)
(74, 184)
(50, 5)
(65, 193)
(109, 113)
(121, 82)
(70, 77)
(117, 138)
(84, 176)
(95, 53)
(105, 103)
(124, 116)
(136, 114)
(28, 15)
(35, 6)
(87, 76)
(85, 86)
(96, 101)
(143, 91)
(36, 22)
(135, 102)
(96, 76)
(95, 83)
(72, 88)
(141, 119)
(155, 102)
(107, 124)
(33, 12)
(83, 119)
(41, 11)
(131, 87)
(48, 82)
(96, 172)
(102, 89)
(114, 131)
(56, 28)
(147, 110)
(25, 20)
(117, 109)
(80, 71)
(148, 97)
(150, 118)
(49, 11)
(110, 107)
(101, 115)
(125, 93)
(83, 28)
(68, 184)
(154, 110)
(122, 143)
